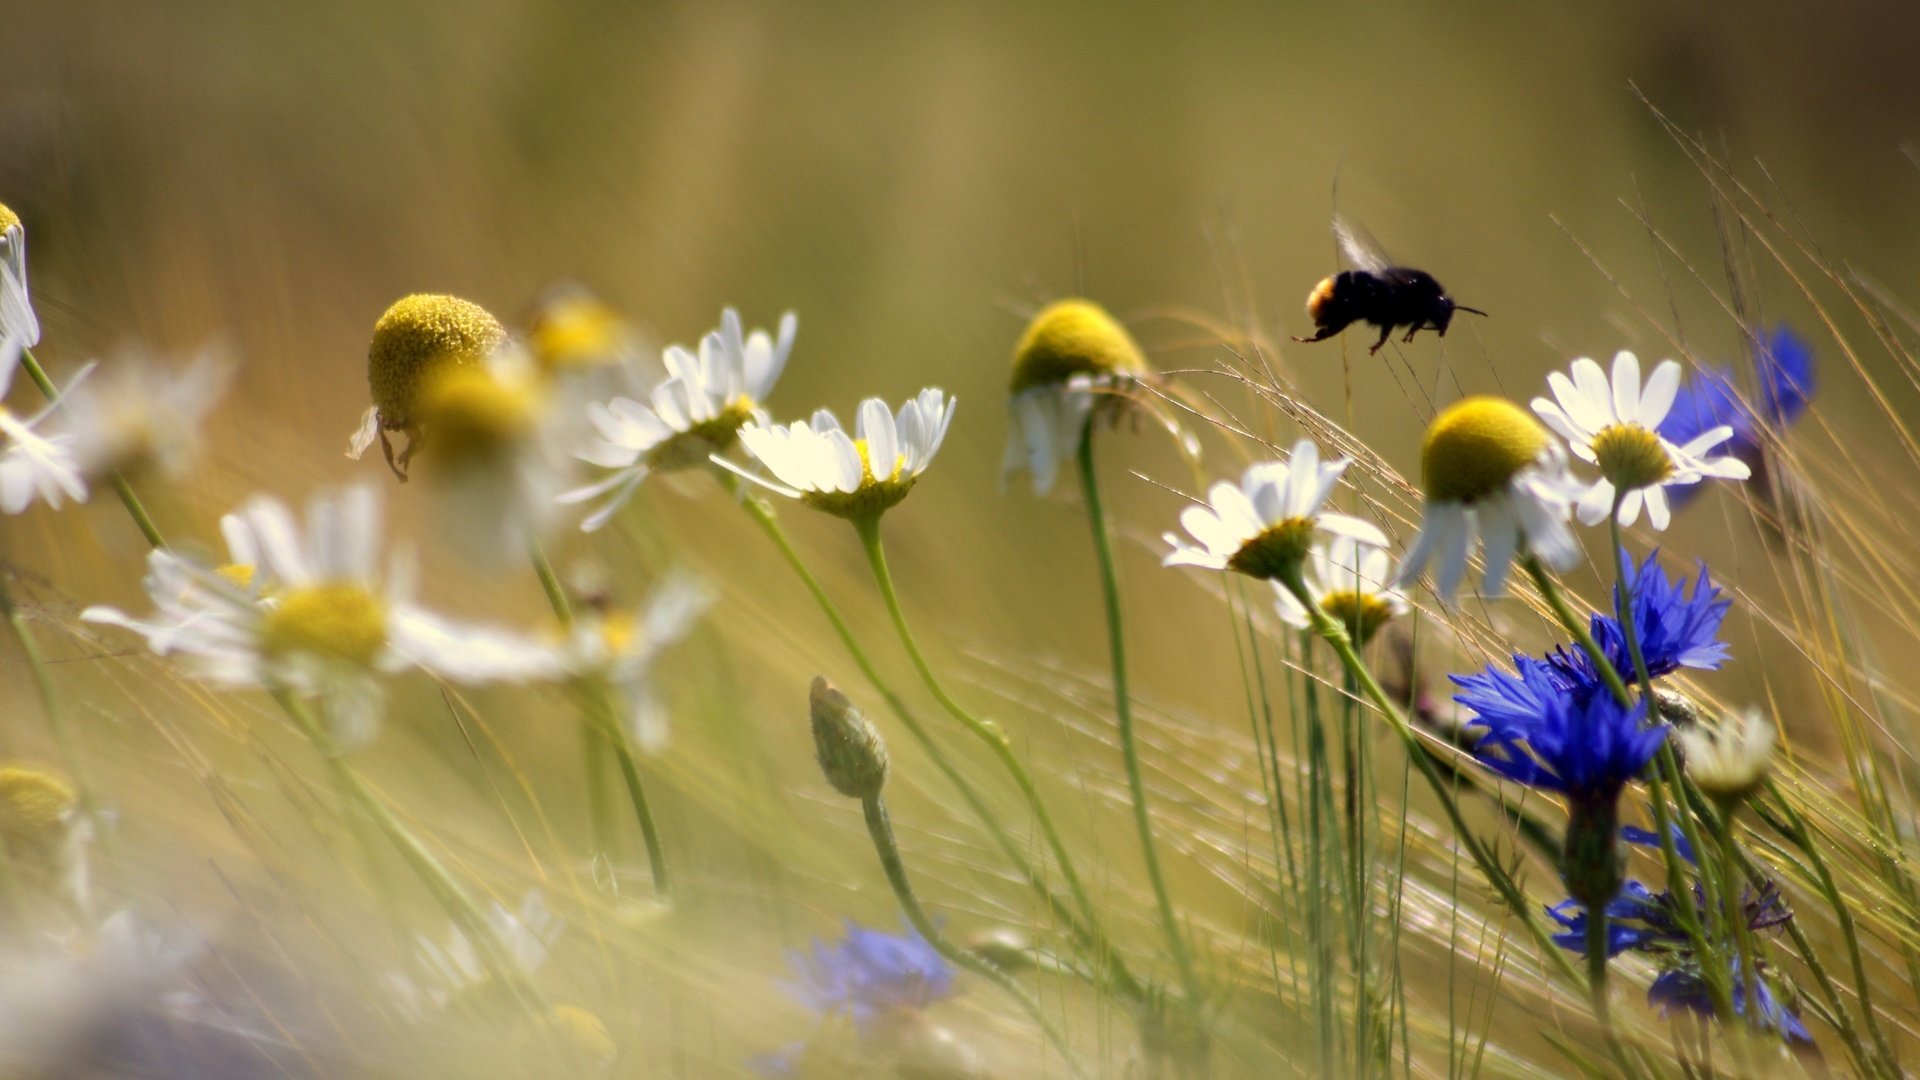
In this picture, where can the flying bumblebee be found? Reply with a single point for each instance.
(1379, 294)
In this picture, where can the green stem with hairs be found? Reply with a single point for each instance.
(1122, 704)
(880, 828)
(135, 508)
(1083, 927)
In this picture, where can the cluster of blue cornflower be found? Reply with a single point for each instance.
(879, 981)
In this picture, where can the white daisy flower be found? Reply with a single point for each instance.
(318, 616)
(1490, 471)
(1617, 428)
(33, 465)
(1072, 358)
(456, 967)
(1353, 582)
(1729, 761)
(696, 413)
(16, 304)
(135, 413)
(856, 477)
(622, 646)
(1264, 526)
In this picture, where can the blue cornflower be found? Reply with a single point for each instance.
(869, 974)
(1677, 628)
(1643, 920)
(1785, 376)
(1683, 987)
(1550, 733)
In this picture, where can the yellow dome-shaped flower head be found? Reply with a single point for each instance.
(1475, 447)
(419, 336)
(35, 808)
(1069, 338)
(9, 220)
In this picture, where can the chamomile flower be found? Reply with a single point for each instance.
(137, 414)
(1353, 582)
(574, 331)
(1490, 472)
(621, 647)
(455, 967)
(696, 413)
(417, 338)
(1264, 526)
(498, 460)
(1072, 357)
(1616, 426)
(1729, 761)
(857, 477)
(33, 465)
(318, 615)
(16, 304)
(46, 835)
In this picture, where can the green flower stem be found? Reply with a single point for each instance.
(1730, 882)
(124, 490)
(1335, 635)
(1597, 957)
(1087, 934)
(880, 828)
(603, 726)
(1122, 704)
(446, 889)
(1550, 591)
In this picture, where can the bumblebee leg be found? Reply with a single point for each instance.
(1384, 332)
(1412, 330)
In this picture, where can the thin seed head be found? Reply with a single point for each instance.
(1073, 337)
(849, 747)
(1476, 446)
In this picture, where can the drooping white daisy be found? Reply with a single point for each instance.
(1616, 426)
(857, 477)
(16, 304)
(1490, 471)
(1729, 761)
(621, 647)
(415, 339)
(32, 464)
(1353, 582)
(1073, 358)
(136, 413)
(696, 413)
(457, 967)
(1264, 526)
(318, 615)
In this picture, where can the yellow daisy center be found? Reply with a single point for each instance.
(1476, 446)
(418, 336)
(240, 574)
(577, 331)
(1275, 553)
(1362, 613)
(475, 416)
(1073, 337)
(874, 497)
(618, 631)
(34, 803)
(8, 219)
(337, 620)
(686, 449)
(1631, 456)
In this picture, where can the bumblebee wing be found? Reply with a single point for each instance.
(1359, 247)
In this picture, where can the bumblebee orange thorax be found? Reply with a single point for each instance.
(1317, 299)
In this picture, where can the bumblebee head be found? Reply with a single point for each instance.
(1318, 298)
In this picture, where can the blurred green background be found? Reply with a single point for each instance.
(913, 180)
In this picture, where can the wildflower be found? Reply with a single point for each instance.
(847, 744)
(1265, 526)
(1072, 355)
(1641, 920)
(856, 477)
(1617, 427)
(456, 968)
(1353, 583)
(696, 413)
(869, 975)
(1684, 987)
(1675, 628)
(621, 648)
(497, 461)
(1728, 762)
(573, 331)
(137, 414)
(90, 1002)
(318, 616)
(1786, 381)
(32, 464)
(418, 337)
(16, 304)
(1490, 471)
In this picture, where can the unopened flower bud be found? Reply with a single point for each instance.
(1731, 760)
(846, 742)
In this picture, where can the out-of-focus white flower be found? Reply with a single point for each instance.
(16, 304)
(1731, 760)
(1072, 355)
(1264, 525)
(854, 477)
(135, 413)
(696, 413)
(1352, 582)
(317, 615)
(64, 999)
(1490, 470)
(456, 966)
(33, 465)
(622, 646)
(47, 838)
(1617, 427)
